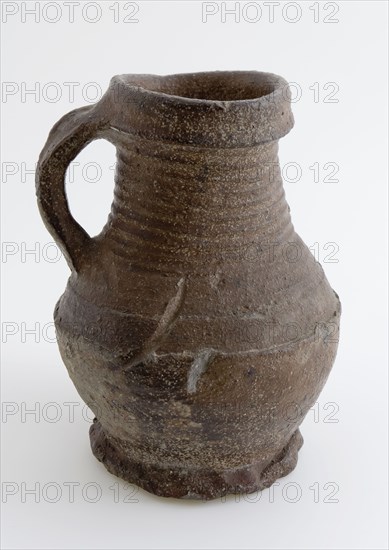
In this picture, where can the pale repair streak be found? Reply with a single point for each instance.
(198, 368)
(164, 325)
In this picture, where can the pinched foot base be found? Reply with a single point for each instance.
(195, 484)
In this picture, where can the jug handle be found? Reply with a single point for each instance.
(67, 138)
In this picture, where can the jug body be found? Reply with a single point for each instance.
(197, 325)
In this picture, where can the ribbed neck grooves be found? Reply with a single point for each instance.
(191, 207)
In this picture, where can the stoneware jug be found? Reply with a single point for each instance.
(197, 325)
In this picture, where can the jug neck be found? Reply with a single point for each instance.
(179, 207)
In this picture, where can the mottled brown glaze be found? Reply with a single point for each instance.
(197, 325)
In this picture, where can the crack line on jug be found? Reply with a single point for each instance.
(163, 327)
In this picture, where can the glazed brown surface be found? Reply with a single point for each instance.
(197, 325)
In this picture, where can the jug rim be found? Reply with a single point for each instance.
(270, 86)
(207, 109)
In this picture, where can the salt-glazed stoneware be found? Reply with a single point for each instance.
(197, 325)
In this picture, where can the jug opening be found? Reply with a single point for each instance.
(211, 86)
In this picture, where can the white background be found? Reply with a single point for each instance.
(345, 436)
